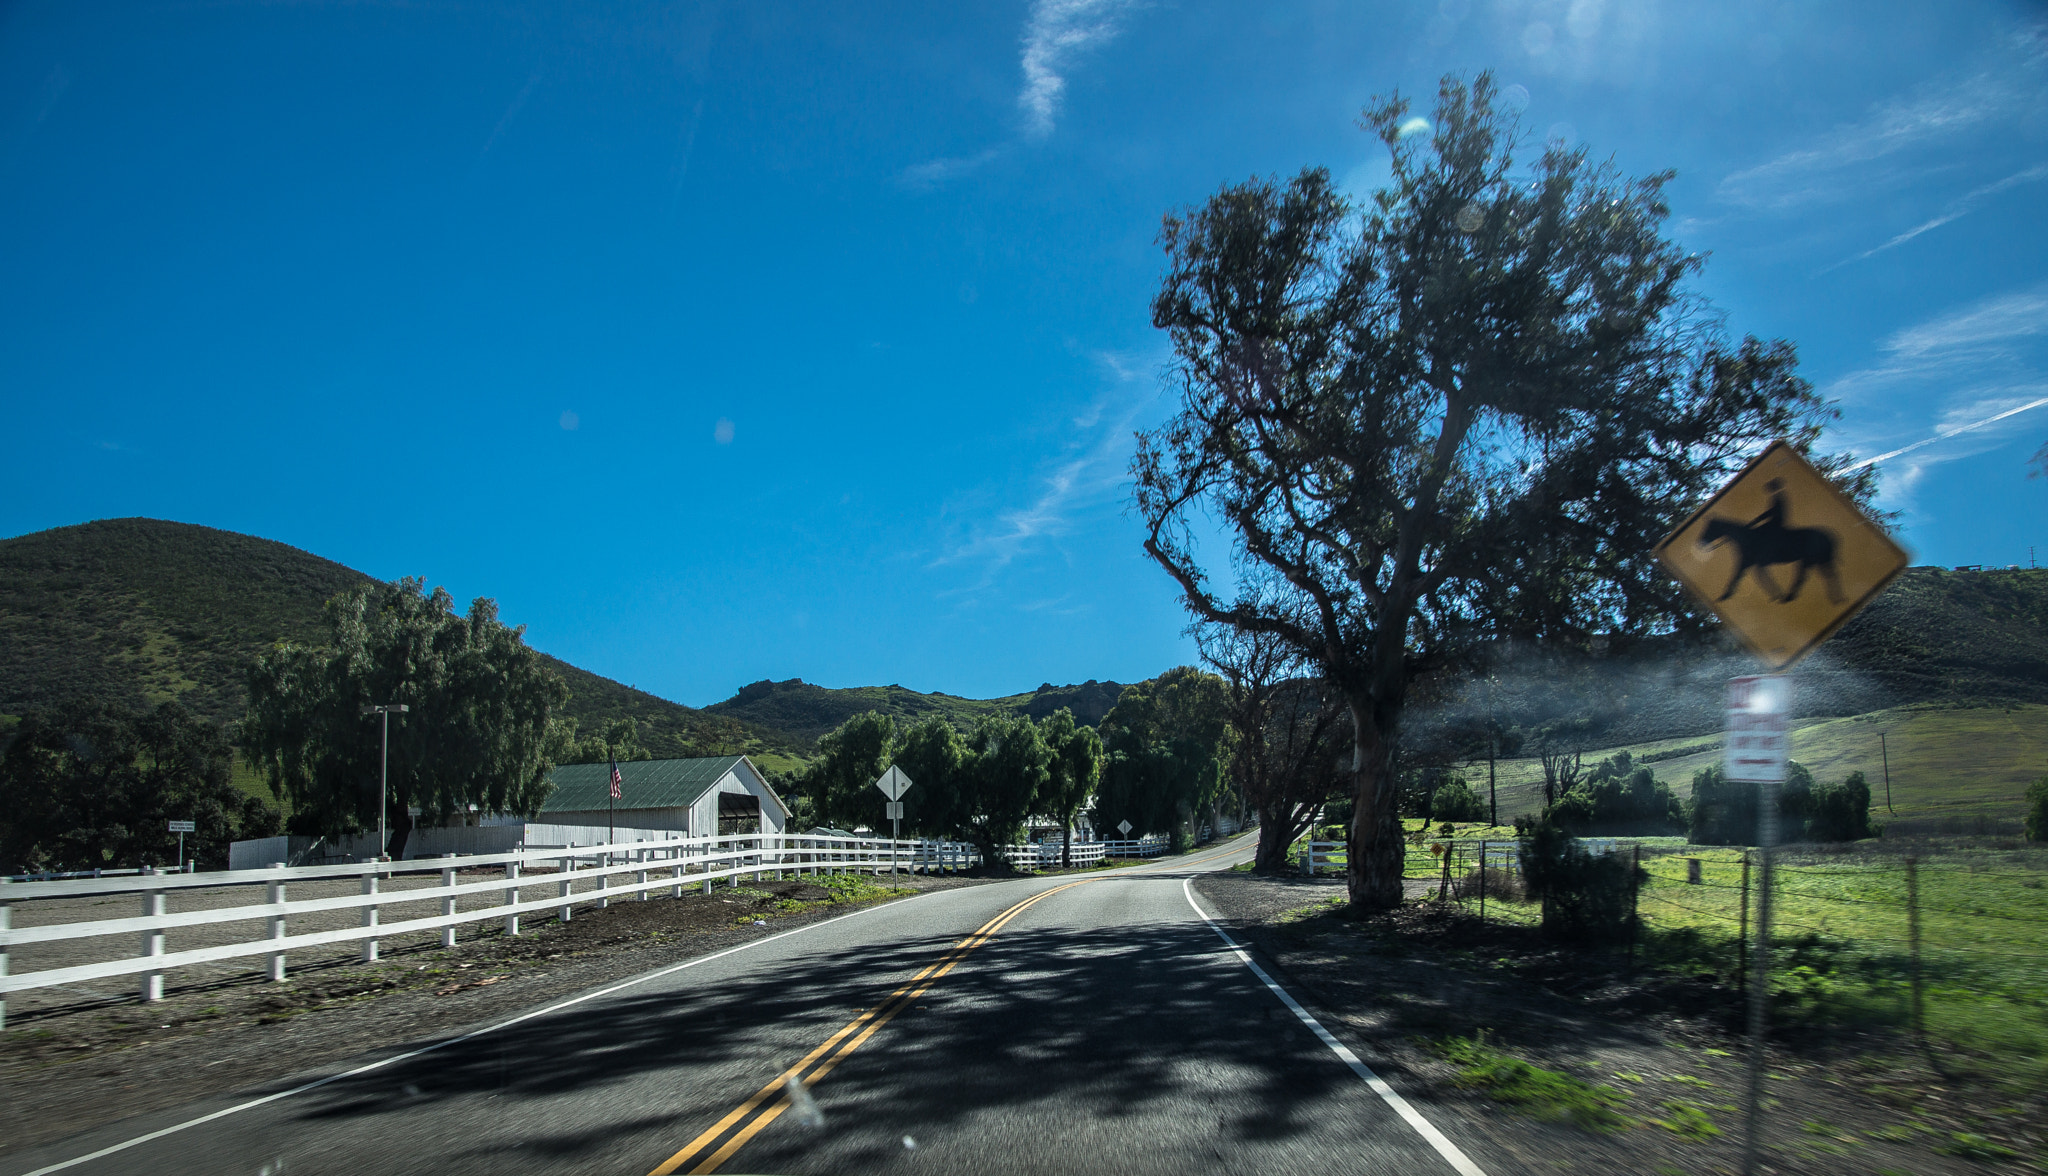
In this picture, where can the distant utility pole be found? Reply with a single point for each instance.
(1492, 750)
(384, 771)
(1886, 753)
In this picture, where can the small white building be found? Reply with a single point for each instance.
(694, 797)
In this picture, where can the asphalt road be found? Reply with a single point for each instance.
(1090, 1023)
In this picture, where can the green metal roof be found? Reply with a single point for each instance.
(672, 783)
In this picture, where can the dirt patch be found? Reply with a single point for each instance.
(1523, 1036)
(70, 1067)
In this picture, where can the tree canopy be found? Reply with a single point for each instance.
(89, 785)
(1463, 412)
(1165, 743)
(481, 730)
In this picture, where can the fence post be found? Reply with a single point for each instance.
(1635, 922)
(448, 903)
(512, 898)
(1913, 937)
(1742, 932)
(640, 855)
(1482, 882)
(152, 940)
(370, 918)
(568, 886)
(6, 924)
(676, 855)
(276, 896)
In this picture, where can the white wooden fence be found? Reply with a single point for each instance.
(1045, 855)
(606, 872)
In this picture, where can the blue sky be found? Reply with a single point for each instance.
(775, 340)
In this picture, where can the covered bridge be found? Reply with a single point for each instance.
(694, 797)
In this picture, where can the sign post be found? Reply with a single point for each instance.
(181, 828)
(1784, 559)
(893, 785)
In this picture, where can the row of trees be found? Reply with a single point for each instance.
(1461, 414)
(91, 784)
(1156, 760)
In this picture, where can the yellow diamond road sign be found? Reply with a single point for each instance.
(1782, 556)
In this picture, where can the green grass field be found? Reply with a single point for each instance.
(1945, 761)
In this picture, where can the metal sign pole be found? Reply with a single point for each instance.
(1757, 750)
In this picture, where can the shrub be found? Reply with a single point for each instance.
(1840, 812)
(1620, 796)
(2037, 810)
(1585, 897)
(1724, 813)
(1455, 801)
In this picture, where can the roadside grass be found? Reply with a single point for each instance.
(1545, 1094)
(1842, 954)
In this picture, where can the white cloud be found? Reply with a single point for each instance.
(938, 171)
(1960, 383)
(1990, 322)
(1093, 471)
(1057, 33)
(1839, 167)
(1956, 209)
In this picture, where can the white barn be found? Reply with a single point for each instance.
(694, 797)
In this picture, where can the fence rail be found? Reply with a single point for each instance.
(608, 872)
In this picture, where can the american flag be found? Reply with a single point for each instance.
(616, 781)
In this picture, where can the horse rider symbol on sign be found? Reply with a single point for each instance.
(1782, 556)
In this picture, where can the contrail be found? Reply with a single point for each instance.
(1945, 434)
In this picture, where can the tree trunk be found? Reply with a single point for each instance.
(401, 832)
(1373, 843)
(1067, 840)
(1276, 837)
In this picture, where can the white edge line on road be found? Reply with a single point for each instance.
(238, 1108)
(1448, 1150)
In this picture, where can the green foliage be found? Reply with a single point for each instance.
(89, 784)
(1007, 764)
(1548, 1094)
(1586, 897)
(841, 781)
(2037, 810)
(934, 756)
(1472, 405)
(1724, 813)
(1839, 811)
(482, 727)
(1455, 801)
(618, 739)
(1166, 742)
(1620, 797)
(1075, 770)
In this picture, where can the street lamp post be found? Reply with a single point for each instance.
(384, 711)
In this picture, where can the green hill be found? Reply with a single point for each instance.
(145, 610)
(1944, 761)
(805, 711)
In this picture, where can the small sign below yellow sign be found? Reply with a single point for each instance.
(1782, 556)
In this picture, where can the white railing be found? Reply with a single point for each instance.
(1316, 856)
(615, 871)
(1045, 855)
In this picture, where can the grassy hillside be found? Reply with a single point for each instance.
(805, 711)
(145, 610)
(1965, 761)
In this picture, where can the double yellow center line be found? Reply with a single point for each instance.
(747, 1120)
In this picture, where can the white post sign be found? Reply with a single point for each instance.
(894, 783)
(1757, 747)
(181, 828)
